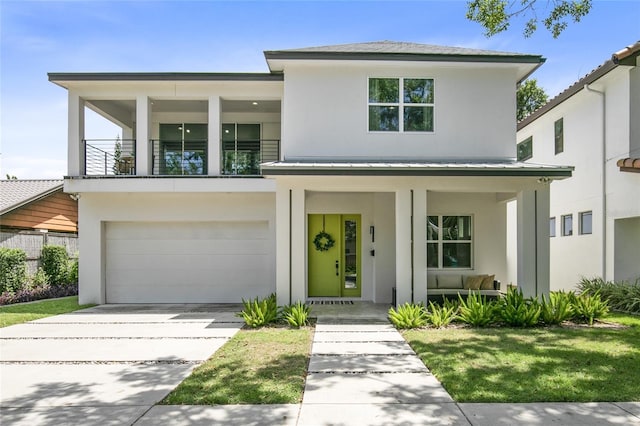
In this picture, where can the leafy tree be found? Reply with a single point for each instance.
(529, 97)
(11, 177)
(496, 15)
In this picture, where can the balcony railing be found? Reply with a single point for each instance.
(243, 157)
(179, 157)
(109, 157)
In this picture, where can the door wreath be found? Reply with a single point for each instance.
(323, 241)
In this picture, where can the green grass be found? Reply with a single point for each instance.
(537, 365)
(23, 312)
(262, 366)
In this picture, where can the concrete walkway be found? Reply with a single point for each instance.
(105, 365)
(111, 364)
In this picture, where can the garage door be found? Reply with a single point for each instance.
(168, 262)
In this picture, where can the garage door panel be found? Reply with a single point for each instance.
(188, 262)
(194, 247)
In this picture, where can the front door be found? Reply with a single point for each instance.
(334, 255)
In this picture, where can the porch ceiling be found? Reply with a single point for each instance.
(416, 168)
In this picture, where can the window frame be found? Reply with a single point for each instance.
(564, 232)
(529, 141)
(401, 105)
(558, 135)
(440, 241)
(581, 215)
(552, 226)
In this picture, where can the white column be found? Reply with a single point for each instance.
(420, 245)
(298, 246)
(283, 249)
(75, 143)
(403, 246)
(214, 127)
(90, 244)
(533, 241)
(143, 125)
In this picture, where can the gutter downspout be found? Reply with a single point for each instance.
(604, 177)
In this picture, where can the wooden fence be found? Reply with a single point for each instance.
(33, 241)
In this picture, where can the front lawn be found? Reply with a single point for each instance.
(263, 366)
(578, 364)
(17, 314)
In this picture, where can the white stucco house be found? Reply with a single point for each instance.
(223, 183)
(593, 125)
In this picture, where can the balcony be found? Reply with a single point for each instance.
(115, 157)
(109, 157)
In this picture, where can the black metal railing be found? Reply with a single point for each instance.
(243, 157)
(109, 157)
(179, 157)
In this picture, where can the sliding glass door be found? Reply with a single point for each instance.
(183, 149)
(240, 149)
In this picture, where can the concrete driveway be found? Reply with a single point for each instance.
(105, 365)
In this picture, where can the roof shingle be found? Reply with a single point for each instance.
(18, 192)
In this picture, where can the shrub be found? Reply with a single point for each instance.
(558, 308)
(38, 279)
(588, 307)
(37, 293)
(476, 311)
(257, 313)
(516, 311)
(441, 316)
(73, 272)
(55, 263)
(621, 296)
(296, 315)
(13, 269)
(409, 315)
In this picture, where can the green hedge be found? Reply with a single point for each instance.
(55, 263)
(13, 269)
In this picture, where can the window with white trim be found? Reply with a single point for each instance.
(586, 220)
(552, 226)
(449, 242)
(525, 149)
(401, 104)
(567, 225)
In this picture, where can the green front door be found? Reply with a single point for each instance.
(334, 261)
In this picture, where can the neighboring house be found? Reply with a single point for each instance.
(34, 213)
(593, 125)
(223, 183)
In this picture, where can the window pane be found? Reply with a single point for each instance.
(456, 255)
(432, 255)
(525, 149)
(384, 90)
(418, 90)
(418, 119)
(383, 119)
(432, 228)
(585, 222)
(559, 136)
(552, 227)
(567, 225)
(456, 227)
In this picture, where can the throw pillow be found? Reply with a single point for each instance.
(487, 282)
(473, 282)
(449, 281)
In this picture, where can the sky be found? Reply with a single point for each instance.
(37, 37)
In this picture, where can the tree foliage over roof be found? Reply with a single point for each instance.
(496, 15)
(529, 97)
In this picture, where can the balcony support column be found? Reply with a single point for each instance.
(143, 148)
(213, 148)
(75, 148)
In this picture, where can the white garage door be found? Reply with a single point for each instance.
(195, 262)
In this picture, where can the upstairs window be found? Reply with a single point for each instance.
(525, 149)
(586, 223)
(552, 226)
(401, 104)
(567, 225)
(558, 132)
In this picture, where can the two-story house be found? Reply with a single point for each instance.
(344, 172)
(593, 125)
